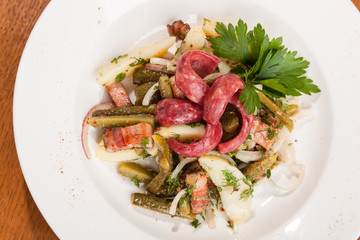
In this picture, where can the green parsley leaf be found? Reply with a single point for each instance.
(230, 180)
(233, 153)
(195, 223)
(135, 181)
(193, 124)
(230, 224)
(248, 192)
(268, 173)
(115, 59)
(250, 98)
(271, 133)
(261, 61)
(138, 61)
(172, 184)
(202, 215)
(190, 190)
(175, 135)
(249, 137)
(121, 76)
(144, 142)
(184, 200)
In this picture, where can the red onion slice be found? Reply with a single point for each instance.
(159, 68)
(85, 126)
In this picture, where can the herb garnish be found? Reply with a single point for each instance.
(144, 154)
(230, 180)
(248, 192)
(135, 181)
(195, 223)
(121, 76)
(172, 184)
(261, 61)
(144, 142)
(115, 59)
(271, 133)
(138, 61)
(192, 125)
(268, 173)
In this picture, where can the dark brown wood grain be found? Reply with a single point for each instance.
(19, 216)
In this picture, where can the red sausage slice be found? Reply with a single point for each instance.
(211, 138)
(192, 66)
(177, 111)
(219, 95)
(234, 143)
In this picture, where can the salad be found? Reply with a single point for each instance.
(198, 118)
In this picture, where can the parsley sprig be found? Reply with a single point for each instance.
(262, 61)
(230, 180)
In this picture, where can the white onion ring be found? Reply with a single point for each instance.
(210, 217)
(224, 156)
(85, 126)
(250, 143)
(150, 93)
(213, 76)
(248, 156)
(169, 69)
(160, 61)
(180, 166)
(174, 203)
(299, 170)
(287, 154)
(283, 134)
(303, 113)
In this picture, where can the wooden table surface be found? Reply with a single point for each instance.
(19, 216)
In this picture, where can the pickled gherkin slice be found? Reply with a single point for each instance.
(276, 110)
(257, 170)
(230, 119)
(165, 87)
(131, 170)
(141, 90)
(149, 109)
(156, 204)
(142, 75)
(120, 121)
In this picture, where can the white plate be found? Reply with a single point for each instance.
(83, 199)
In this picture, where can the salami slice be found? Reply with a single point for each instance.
(234, 143)
(211, 138)
(219, 95)
(177, 111)
(192, 66)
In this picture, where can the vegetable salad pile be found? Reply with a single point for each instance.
(211, 107)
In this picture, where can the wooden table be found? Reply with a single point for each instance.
(19, 216)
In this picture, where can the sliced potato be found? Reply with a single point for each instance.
(120, 156)
(209, 28)
(109, 72)
(236, 208)
(195, 39)
(183, 132)
(131, 169)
